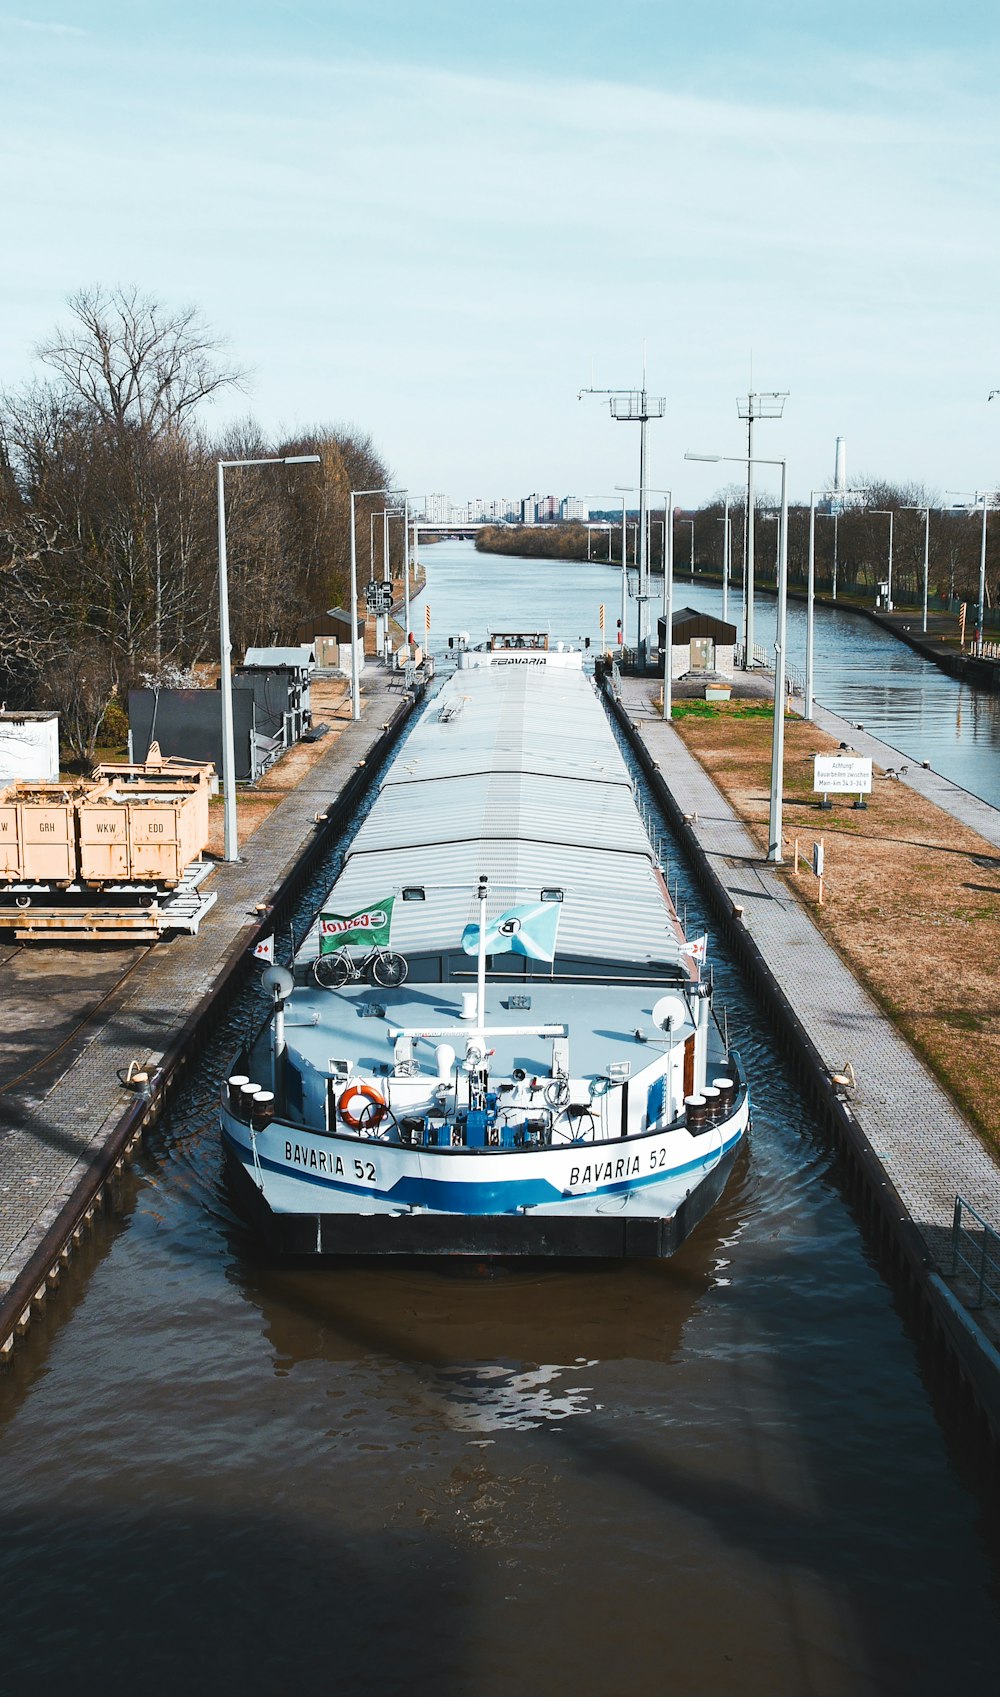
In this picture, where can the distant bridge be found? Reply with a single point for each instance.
(454, 529)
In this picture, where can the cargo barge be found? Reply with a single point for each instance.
(495, 1040)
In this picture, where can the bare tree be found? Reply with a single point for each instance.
(134, 364)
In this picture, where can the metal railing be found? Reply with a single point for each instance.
(977, 1248)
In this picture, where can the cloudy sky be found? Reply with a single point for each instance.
(438, 221)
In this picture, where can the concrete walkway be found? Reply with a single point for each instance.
(48, 1140)
(927, 1148)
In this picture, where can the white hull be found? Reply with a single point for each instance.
(298, 1171)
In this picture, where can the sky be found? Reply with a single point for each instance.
(438, 222)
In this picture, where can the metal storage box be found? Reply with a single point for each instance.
(142, 833)
(38, 833)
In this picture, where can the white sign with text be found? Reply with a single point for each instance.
(839, 774)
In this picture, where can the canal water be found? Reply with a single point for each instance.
(727, 1473)
(861, 671)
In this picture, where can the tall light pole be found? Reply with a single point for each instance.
(834, 516)
(355, 668)
(636, 406)
(726, 560)
(774, 853)
(887, 513)
(691, 523)
(823, 495)
(600, 497)
(668, 589)
(927, 551)
(751, 407)
(986, 496)
(231, 848)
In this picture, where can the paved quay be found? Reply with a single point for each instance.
(50, 1140)
(926, 1148)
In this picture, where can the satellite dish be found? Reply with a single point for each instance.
(279, 981)
(670, 1011)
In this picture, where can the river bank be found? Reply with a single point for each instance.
(911, 895)
(911, 1153)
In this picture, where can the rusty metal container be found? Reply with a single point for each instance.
(142, 833)
(38, 833)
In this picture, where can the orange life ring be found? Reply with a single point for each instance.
(372, 1110)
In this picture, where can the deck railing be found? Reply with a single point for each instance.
(976, 1247)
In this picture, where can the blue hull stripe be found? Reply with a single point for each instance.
(463, 1198)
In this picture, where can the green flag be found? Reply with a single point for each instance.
(368, 928)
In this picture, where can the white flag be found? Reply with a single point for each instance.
(264, 950)
(696, 949)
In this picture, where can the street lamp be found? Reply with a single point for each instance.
(691, 523)
(751, 407)
(886, 513)
(986, 496)
(668, 592)
(355, 668)
(774, 853)
(834, 516)
(231, 850)
(635, 406)
(726, 560)
(823, 495)
(927, 551)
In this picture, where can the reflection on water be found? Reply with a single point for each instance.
(492, 1398)
(222, 1474)
(862, 672)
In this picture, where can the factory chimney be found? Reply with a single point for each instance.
(840, 467)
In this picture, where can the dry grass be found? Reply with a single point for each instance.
(912, 898)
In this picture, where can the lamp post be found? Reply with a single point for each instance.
(636, 406)
(834, 516)
(927, 552)
(691, 523)
(230, 833)
(355, 668)
(668, 590)
(823, 495)
(726, 556)
(986, 496)
(751, 407)
(887, 513)
(774, 853)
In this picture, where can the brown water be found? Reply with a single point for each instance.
(723, 1474)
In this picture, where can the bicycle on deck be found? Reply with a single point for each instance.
(380, 966)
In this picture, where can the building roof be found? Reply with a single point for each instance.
(688, 622)
(515, 774)
(296, 659)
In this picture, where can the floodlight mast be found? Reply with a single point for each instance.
(757, 404)
(636, 406)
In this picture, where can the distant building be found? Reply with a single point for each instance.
(571, 507)
(437, 509)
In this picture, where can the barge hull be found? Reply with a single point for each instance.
(505, 1236)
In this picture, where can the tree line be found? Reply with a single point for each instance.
(859, 532)
(108, 527)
